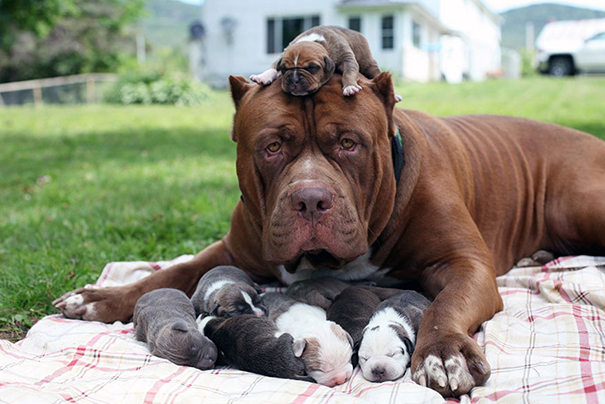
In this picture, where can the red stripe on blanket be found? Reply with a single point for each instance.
(301, 398)
(150, 396)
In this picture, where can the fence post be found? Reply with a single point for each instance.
(90, 89)
(37, 96)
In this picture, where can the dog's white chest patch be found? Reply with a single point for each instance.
(359, 269)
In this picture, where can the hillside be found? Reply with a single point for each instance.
(166, 23)
(513, 29)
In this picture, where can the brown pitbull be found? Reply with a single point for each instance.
(310, 59)
(320, 196)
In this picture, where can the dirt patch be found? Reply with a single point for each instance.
(12, 335)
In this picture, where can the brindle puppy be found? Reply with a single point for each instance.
(165, 320)
(227, 291)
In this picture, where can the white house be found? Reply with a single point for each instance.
(421, 41)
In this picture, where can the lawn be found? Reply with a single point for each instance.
(85, 185)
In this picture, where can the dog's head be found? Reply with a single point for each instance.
(305, 67)
(386, 348)
(236, 299)
(316, 172)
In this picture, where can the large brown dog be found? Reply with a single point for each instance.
(476, 193)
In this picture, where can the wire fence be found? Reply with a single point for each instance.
(76, 89)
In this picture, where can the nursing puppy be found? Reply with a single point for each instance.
(227, 291)
(165, 320)
(250, 343)
(319, 292)
(310, 60)
(327, 348)
(389, 339)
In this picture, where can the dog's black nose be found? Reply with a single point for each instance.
(294, 79)
(378, 372)
(312, 203)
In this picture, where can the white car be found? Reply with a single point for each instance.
(569, 47)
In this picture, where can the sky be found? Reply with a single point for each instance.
(503, 5)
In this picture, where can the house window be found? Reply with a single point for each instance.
(281, 31)
(416, 39)
(388, 32)
(355, 23)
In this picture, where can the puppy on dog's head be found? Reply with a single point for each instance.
(305, 67)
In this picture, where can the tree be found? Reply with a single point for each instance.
(80, 36)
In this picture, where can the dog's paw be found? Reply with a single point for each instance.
(351, 90)
(105, 304)
(398, 97)
(452, 366)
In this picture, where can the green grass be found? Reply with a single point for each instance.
(83, 186)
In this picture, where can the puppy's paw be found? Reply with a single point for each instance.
(265, 78)
(105, 304)
(398, 97)
(452, 366)
(351, 90)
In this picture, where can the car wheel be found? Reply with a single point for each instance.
(560, 66)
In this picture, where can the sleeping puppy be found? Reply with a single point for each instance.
(227, 291)
(319, 292)
(389, 338)
(249, 343)
(310, 60)
(165, 320)
(327, 348)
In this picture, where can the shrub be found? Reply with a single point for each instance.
(154, 88)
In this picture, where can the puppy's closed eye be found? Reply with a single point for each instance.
(313, 68)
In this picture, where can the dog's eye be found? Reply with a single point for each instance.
(274, 147)
(347, 144)
(312, 69)
(362, 359)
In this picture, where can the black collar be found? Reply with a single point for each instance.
(397, 153)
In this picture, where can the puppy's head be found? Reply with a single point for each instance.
(305, 67)
(327, 354)
(386, 348)
(236, 299)
(183, 345)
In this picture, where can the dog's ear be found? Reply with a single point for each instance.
(239, 87)
(382, 86)
(278, 64)
(299, 347)
(350, 339)
(329, 65)
(409, 345)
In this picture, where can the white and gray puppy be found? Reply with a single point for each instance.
(165, 320)
(326, 347)
(389, 339)
(227, 291)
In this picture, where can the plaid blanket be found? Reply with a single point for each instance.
(548, 345)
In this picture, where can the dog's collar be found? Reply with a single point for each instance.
(397, 153)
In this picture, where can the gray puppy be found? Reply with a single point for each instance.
(165, 320)
(319, 292)
(227, 291)
(249, 343)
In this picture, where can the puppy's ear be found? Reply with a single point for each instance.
(239, 87)
(180, 325)
(299, 347)
(278, 64)
(350, 339)
(409, 345)
(328, 65)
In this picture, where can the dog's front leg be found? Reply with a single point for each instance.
(446, 358)
(117, 303)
